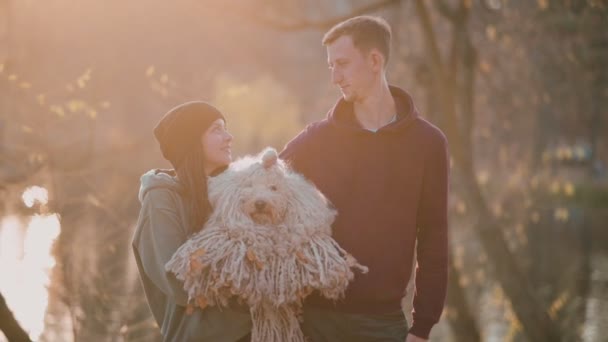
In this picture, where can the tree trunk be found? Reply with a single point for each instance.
(462, 322)
(9, 326)
(536, 323)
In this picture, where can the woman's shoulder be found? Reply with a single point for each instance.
(159, 185)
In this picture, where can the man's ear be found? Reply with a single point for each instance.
(377, 60)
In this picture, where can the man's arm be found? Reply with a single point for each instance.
(432, 240)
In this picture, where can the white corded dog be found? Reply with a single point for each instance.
(268, 243)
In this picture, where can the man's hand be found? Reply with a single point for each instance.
(413, 338)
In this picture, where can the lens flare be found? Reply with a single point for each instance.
(26, 262)
(35, 194)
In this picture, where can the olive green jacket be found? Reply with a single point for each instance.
(161, 229)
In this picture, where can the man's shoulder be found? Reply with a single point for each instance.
(317, 127)
(312, 136)
(314, 131)
(430, 132)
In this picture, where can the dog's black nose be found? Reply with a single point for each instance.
(260, 205)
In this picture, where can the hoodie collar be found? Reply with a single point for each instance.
(342, 115)
(158, 178)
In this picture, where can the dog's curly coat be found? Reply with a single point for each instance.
(268, 243)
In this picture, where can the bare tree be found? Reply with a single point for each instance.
(9, 326)
(456, 76)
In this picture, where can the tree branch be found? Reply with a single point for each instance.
(454, 15)
(430, 38)
(306, 24)
(9, 326)
(445, 10)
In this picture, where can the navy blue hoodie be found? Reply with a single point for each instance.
(390, 188)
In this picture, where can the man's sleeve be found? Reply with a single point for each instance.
(161, 235)
(432, 245)
(295, 151)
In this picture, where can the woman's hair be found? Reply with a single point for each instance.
(179, 134)
(191, 175)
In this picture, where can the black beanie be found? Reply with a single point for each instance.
(180, 130)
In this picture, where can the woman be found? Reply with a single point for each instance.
(193, 137)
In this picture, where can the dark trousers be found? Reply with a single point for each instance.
(329, 326)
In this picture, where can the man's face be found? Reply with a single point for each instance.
(350, 68)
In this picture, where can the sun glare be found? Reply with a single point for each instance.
(35, 194)
(26, 262)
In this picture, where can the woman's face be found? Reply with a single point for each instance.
(216, 146)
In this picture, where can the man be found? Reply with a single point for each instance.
(385, 169)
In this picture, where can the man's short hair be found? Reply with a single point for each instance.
(367, 32)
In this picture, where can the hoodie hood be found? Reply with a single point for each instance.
(343, 116)
(157, 178)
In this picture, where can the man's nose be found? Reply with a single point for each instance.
(336, 76)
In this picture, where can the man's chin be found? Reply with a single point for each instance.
(348, 97)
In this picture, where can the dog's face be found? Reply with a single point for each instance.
(262, 191)
(263, 197)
